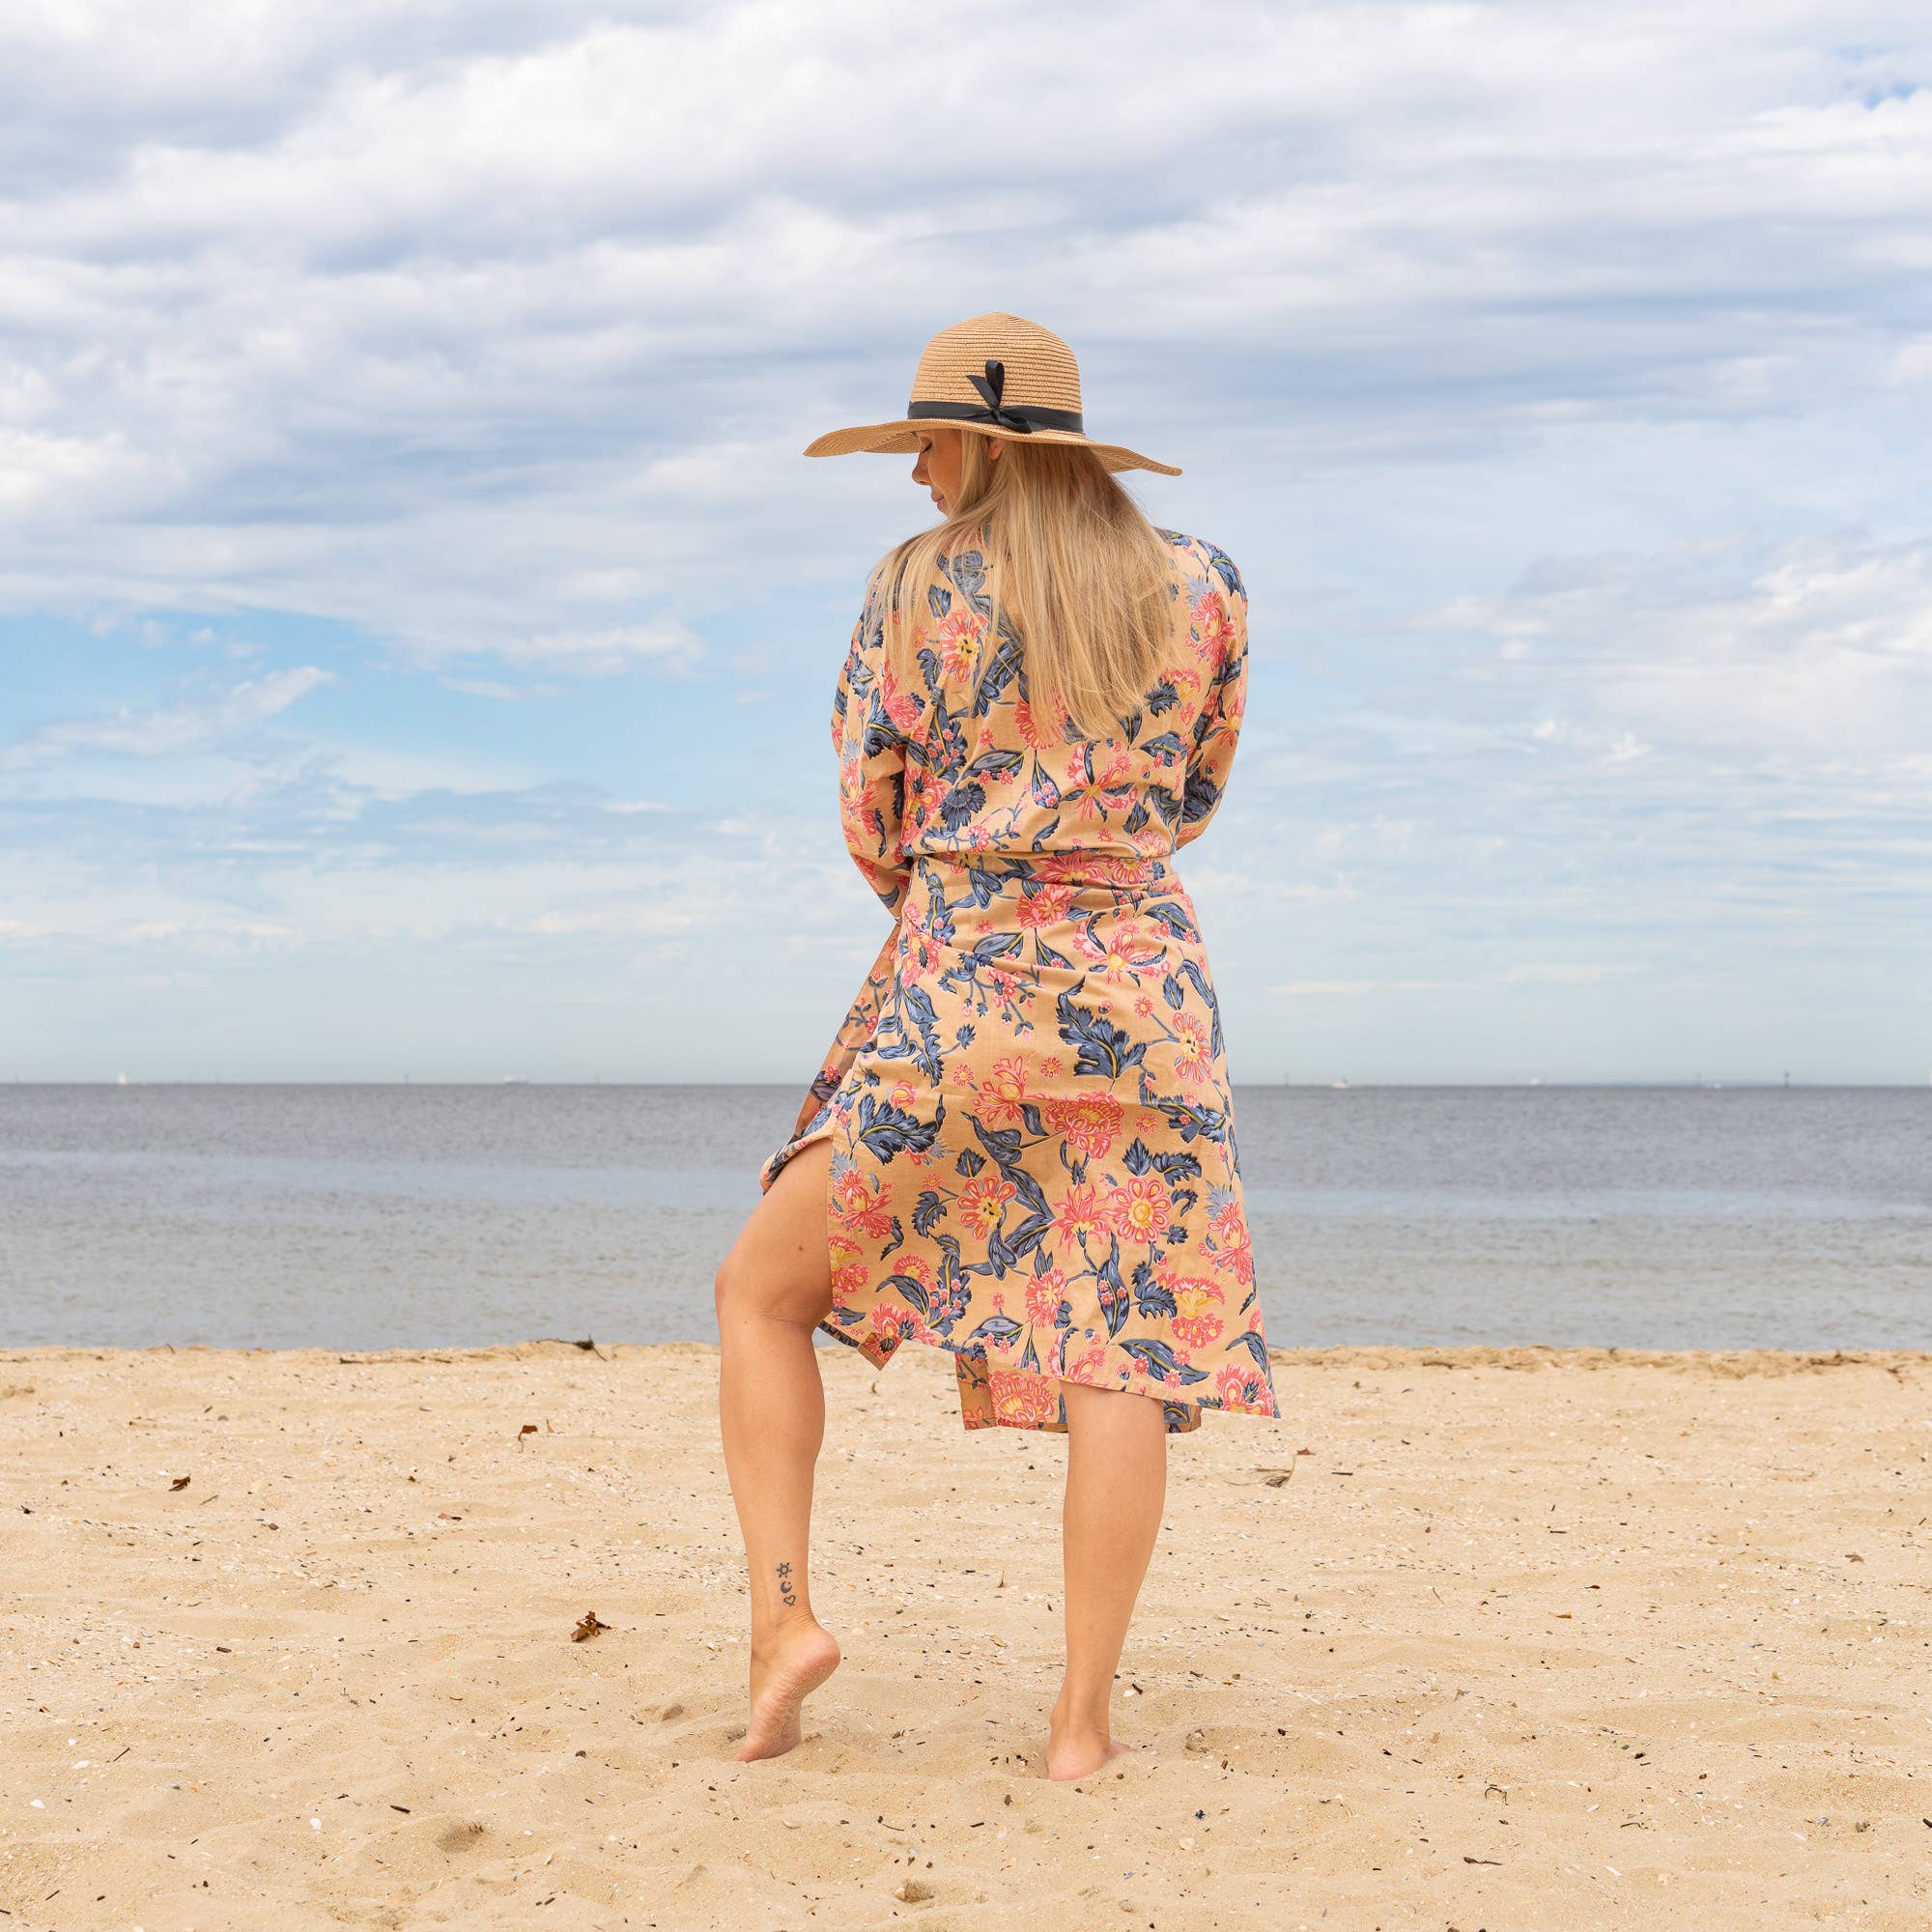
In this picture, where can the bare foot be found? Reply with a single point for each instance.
(798, 1659)
(1079, 1754)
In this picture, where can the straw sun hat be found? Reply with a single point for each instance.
(998, 375)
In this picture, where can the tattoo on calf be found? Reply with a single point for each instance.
(785, 1584)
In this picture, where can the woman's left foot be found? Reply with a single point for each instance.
(796, 1661)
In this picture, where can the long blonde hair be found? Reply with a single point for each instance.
(1080, 580)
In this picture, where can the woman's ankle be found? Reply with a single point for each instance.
(1079, 1720)
(782, 1627)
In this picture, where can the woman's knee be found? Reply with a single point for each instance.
(743, 1290)
(1114, 1415)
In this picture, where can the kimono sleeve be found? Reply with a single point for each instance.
(868, 733)
(1218, 726)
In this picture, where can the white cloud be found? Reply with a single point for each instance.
(172, 731)
(1815, 643)
(425, 325)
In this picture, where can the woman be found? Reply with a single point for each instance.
(1021, 1148)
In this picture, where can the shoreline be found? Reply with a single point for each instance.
(1514, 1356)
(1468, 1632)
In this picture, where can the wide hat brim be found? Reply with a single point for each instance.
(902, 438)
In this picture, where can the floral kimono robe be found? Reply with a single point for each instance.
(1034, 1158)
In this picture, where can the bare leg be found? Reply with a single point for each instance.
(1116, 1486)
(773, 1288)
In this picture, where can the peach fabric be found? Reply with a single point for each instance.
(1034, 1163)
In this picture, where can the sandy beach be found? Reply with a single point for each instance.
(1496, 1640)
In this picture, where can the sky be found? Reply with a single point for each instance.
(419, 623)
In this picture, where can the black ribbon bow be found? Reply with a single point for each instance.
(992, 385)
(1021, 419)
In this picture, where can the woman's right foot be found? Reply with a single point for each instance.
(1075, 1754)
(785, 1670)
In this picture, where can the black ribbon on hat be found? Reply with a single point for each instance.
(1022, 418)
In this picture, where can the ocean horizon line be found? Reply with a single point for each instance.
(1687, 1082)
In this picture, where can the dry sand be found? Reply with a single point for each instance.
(1530, 1641)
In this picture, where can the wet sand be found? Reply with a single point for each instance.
(1502, 1641)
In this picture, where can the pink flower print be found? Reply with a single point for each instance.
(1213, 628)
(1092, 1124)
(1243, 1387)
(1141, 1210)
(1191, 1060)
(1002, 1092)
(1044, 1293)
(1235, 1255)
(981, 1200)
(1080, 1214)
(900, 706)
(1023, 1400)
(1039, 734)
(1195, 1324)
(1130, 950)
(1046, 907)
(889, 1320)
(956, 636)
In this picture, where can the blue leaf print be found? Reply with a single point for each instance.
(1002, 1143)
(971, 1161)
(1001, 1259)
(1112, 1289)
(1027, 1236)
(1105, 1050)
(1189, 1120)
(995, 1328)
(1223, 568)
(961, 806)
(890, 1041)
(969, 572)
(1154, 1303)
(888, 1131)
(1255, 1346)
(993, 765)
(1170, 990)
(928, 1210)
(1202, 796)
(995, 945)
(1160, 1358)
(1135, 1157)
(1000, 671)
(904, 1285)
